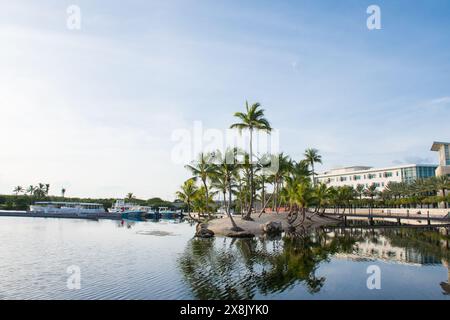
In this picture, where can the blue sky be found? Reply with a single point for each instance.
(93, 109)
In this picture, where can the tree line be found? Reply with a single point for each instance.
(22, 198)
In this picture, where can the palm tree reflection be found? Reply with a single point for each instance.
(223, 268)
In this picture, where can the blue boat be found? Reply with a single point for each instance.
(133, 214)
(166, 213)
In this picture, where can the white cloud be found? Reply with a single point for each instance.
(441, 101)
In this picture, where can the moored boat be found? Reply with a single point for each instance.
(85, 210)
(166, 213)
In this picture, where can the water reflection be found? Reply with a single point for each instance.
(238, 268)
(224, 268)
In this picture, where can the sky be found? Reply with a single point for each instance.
(95, 109)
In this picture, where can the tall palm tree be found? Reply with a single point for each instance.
(312, 156)
(252, 119)
(30, 190)
(63, 192)
(203, 169)
(187, 193)
(18, 190)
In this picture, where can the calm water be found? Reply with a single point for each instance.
(149, 260)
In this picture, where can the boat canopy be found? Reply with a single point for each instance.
(68, 204)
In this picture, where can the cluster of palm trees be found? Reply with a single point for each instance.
(421, 192)
(242, 178)
(248, 183)
(39, 191)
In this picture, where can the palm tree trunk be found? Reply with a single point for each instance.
(250, 207)
(224, 199)
(274, 202)
(312, 167)
(278, 199)
(206, 195)
(263, 195)
(443, 196)
(235, 227)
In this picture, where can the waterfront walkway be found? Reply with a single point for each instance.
(425, 216)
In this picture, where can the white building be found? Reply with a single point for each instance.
(444, 157)
(352, 176)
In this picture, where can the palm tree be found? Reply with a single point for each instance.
(18, 190)
(371, 192)
(227, 170)
(345, 196)
(202, 204)
(30, 190)
(187, 193)
(47, 189)
(63, 192)
(360, 189)
(300, 196)
(130, 196)
(442, 183)
(312, 156)
(203, 169)
(284, 168)
(252, 120)
(40, 192)
(321, 195)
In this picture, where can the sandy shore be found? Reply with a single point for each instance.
(222, 226)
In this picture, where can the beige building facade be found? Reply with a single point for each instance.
(444, 157)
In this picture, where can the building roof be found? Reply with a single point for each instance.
(349, 170)
(68, 203)
(436, 145)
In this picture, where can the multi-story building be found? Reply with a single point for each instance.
(352, 176)
(444, 158)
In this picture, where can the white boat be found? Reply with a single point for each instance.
(77, 208)
(120, 206)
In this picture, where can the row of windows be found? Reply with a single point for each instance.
(358, 177)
